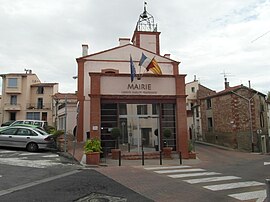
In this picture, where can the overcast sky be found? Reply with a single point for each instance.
(208, 37)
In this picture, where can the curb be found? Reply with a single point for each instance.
(215, 145)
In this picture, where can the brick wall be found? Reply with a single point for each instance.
(231, 119)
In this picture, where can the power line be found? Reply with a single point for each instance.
(260, 36)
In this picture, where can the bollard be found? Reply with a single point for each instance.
(105, 154)
(119, 155)
(143, 158)
(128, 147)
(267, 181)
(180, 158)
(160, 157)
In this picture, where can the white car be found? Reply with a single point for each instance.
(32, 139)
(39, 123)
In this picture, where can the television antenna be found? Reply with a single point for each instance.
(226, 74)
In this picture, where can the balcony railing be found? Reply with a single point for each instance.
(46, 106)
(12, 107)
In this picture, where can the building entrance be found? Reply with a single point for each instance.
(141, 125)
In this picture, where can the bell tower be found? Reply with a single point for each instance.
(146, 35)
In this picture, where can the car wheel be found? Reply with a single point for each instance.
(32, 147)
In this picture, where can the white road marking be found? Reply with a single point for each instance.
(166, 167)
(233, 185)
(260, 195)
(193, 174)
(266, 163)
(6, 152)
(179, 171)
(28, 163)
(24, 186)
(211, 179)
(50, 156)
(28, 154)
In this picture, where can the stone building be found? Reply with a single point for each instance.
(236, 117)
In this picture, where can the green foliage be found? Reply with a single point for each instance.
(49, 129)
(190, 146)
(115, 132)
(56, 133)
(92, 145)
(167, 133)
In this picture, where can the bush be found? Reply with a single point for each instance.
(92, 145)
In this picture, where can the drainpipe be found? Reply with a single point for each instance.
(250, 116)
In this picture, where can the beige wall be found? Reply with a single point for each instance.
(26, 94)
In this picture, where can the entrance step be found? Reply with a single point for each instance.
(138, 156)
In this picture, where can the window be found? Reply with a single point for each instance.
(155, 109)
(210, 124)
(262, 108)
(29, 122)
(193, 89)
(197, 112)
(23, 131)
(40, 103)
(40, 90)
(209, 103)
(61, 123)
(142, 109)
(33, 115)
(44, 116)
(122, 109)
(12, 116)
(261, 120)
(10, 131)
(13, 99)
(12, 82)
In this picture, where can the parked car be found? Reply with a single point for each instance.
(30, 138)
(7, 123)
(39, 123)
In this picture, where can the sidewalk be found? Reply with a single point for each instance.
(79, 157)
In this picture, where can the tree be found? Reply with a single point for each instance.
(167, 134)
(116, 133)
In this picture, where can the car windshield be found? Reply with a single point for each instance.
(38, 124)
(42, 132)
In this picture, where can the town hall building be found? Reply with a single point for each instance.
(134, 88)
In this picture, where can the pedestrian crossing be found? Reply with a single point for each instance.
(27, 159)
(214, 181)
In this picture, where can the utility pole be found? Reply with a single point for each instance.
(65, 145)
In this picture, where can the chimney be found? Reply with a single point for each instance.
(124, 41)
(167, 55)
(249, 84)
(226, 84)
(84, 50)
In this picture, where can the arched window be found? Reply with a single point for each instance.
(110, 71)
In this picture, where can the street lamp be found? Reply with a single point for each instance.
(250, 116)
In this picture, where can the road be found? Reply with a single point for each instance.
(218, 175)
(46, 176)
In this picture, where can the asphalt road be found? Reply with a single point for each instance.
(218, 175)
(44, 176)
